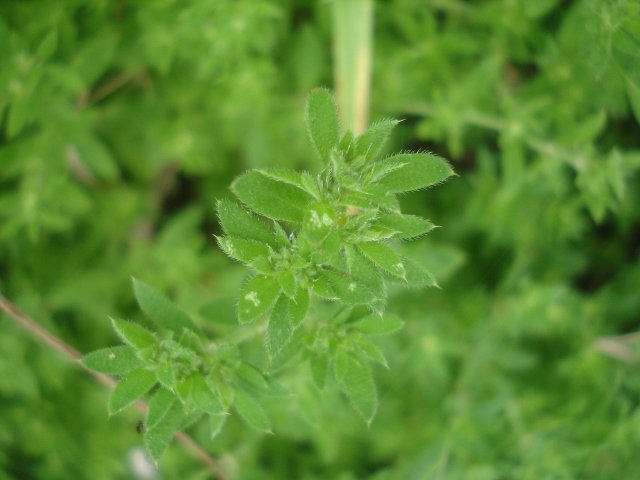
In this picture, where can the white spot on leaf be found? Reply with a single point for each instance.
(253, 298)
(352, 287)
(112, 356)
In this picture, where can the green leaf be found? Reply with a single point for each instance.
(131, 388)
(251, 411)
(216, 422)
(237, 222)
(378, 324)
(298, 307)
(132, 333)
(322, 288)
(347, 145)
(340, 365)
(281, 236)
(347, 289)
(287, 282)
(272, 198)
(321, 117)
(416, 275)
(252, 376)
(112, 361)
(421, 170)
(319, 367)
(165, 374)
(384, 167)
(184, 388)
(243, 250)
(318, 221)
(161, 310)
(302, 180)
(157, 439)
(257, 297)
(380, 196)
(372, 351)
(204, 398)
(406, 226)
(159, 405)
(372, 140)
(363, 270)
(279, 330)
(359, 386)
(383, 256)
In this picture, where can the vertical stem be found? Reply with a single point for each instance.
(352, 54)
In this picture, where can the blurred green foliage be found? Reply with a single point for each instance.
(122, 124)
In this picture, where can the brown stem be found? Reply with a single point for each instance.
(28, 323)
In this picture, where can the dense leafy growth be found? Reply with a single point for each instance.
(337, 250)
(122, 127)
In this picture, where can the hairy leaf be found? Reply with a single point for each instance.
(421, 170)
(406, 226)
(113, 361)
(359, 386)
(157, 439)
(378, 324)
(237, 222)
(272, 198)
(132, 333)
(131, 388)
(279, 330)
(383, 256)
(321, 119)
(251, 411)
(159, 405)
(161, 310)
(257, 297)
(372, 140)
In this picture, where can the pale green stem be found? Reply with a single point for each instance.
(352, 54)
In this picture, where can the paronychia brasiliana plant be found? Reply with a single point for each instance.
(336, 242)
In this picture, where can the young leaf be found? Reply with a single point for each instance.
(287, 282)
(359, 386)
(279, 330)
(131, 388)
(298, 307)
(406, 226)
(383, 256)
(322, 288)
(318, 221)
(421, 170)
(378, 324)
(379, 195)
(184, 388)
(340, 365)
(112, 361)
(348, 289)
(372, 351)
(319, 367)
(158, 438)
(203, 397)
(321, 118)
(257, 297)
(132, 333)
(363, 270)
(252, 376)
(370, 142)
(301, 180)
(251, 411)
(165, 374)
(216, 422)
(243, 250)
(416, 275)
(272, 198)
(159, 405)
(161, 310)
(237, 222)
(347, 145)
(281, 236)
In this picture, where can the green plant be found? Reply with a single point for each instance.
(335, 242)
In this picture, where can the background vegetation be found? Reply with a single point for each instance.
(122, 124)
